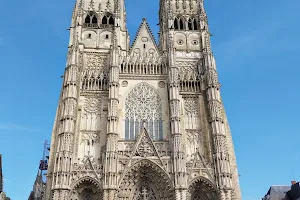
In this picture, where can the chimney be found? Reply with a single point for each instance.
(293, 182)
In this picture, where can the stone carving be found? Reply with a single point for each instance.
(144, 193)
(86, 188)
(92, 105)
(144, 149)
(188, 70)
(149, 63)
(129, 148)
(68, 107)
(207, 43)
(216, 111)
(161, 84)
(141, 174)
(95, 74)
(212, 79)
(194, 138)
(87, 164)
(90, 138)
(144, 146)
(124, 83)
(174, 108)
(184, 54)
(191, 105)
(220, 145)
(162, 148)
(95, 60)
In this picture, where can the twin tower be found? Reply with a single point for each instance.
(141, 122)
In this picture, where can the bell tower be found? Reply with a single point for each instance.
(182, 17)
(83, 146)
(200, 132)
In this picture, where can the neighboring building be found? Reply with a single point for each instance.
(2, 193)
(144, 121)
(284, 192)
(38, 188)
(39, 185)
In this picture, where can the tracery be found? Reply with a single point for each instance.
(178, 23)
(108, 19)
(143, 106)
(91, 20)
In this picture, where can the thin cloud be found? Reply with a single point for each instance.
(253, 40)
(14, 127)
(6, 180)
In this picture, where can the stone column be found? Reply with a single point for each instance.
(111, 162)
(216, 118)
(179, 162)
(66, 126)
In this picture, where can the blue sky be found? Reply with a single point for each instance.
(256, 44)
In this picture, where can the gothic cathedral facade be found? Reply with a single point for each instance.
(142, 121)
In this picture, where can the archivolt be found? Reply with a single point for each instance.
(86, 188)
(202, 188)
(146, 172)
(86, 179)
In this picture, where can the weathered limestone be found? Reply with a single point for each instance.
(141, 122)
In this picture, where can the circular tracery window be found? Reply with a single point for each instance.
(180, 42)
(195, 42)
(143, 103)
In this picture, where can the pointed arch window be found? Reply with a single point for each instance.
(181, 26)
(192, 24)
(143, 106)
(108, 19)
(178, 23)
(104, 20)
(91, 20)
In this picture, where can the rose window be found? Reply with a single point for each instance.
(143, 105)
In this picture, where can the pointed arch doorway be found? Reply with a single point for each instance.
(201, 188)
(145, 180)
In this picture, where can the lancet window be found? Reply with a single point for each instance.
(143, 108)
(192, 24)
(91, 20)
(178, 23)
(108, 19)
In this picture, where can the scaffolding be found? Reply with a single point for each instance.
(44, 161)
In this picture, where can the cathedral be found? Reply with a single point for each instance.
(141, 120)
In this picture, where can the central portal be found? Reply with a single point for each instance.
(145, 180)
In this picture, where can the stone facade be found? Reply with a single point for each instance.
(144, 121)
